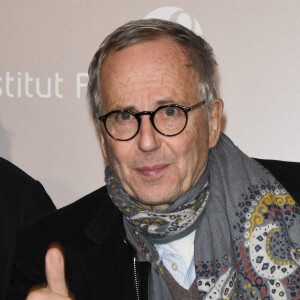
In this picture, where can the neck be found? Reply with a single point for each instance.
(154, 207)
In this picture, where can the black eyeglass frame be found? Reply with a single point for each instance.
(138, 115)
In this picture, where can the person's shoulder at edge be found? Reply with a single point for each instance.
(22, 200)
(9, 171)
(22, 197)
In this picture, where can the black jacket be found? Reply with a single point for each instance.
(287, 173)
(22, 199)
(98, 258)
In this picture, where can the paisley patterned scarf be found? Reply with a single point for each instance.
(166, 225)
(247, 242)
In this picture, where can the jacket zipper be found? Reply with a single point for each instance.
(136, 279)
(135, 271)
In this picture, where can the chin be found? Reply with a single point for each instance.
(154, 193)
(154, 202)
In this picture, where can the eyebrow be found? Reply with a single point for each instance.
(165, 101)
(157, 104)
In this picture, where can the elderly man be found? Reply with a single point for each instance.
(183, 209)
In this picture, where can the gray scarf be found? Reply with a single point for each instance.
(247, 242)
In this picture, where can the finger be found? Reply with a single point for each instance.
(55, 272)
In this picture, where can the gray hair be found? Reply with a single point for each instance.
(198, 52)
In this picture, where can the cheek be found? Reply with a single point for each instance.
(196, 134)
(185, 148)
(194, 143)
(119, 154)
(110, 150)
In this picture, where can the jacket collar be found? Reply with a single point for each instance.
(107, 263)
(106, 222)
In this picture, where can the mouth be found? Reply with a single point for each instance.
(152, 171)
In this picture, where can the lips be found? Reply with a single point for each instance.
(152, 171)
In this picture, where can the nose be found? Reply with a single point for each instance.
(148, 138)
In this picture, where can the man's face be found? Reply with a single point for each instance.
(154, 169)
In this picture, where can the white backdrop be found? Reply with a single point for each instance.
(46, 47)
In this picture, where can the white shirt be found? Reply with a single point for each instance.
(178, 258)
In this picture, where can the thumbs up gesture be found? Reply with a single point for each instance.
(56, 288)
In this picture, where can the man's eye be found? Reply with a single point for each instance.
(170, 111)
(124, 116)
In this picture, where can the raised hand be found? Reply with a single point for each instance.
(56, 288)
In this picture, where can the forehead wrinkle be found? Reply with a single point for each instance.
(160, 95)
(137, 74)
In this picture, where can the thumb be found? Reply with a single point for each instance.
(55, 272)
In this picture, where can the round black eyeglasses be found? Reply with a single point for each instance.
(168, 120)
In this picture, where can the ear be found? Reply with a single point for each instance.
(214, 123)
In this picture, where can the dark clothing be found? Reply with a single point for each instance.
(22, 199)
(98, 257)
(287, 173)
(98, 261)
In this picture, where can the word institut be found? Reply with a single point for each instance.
(23, 85)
